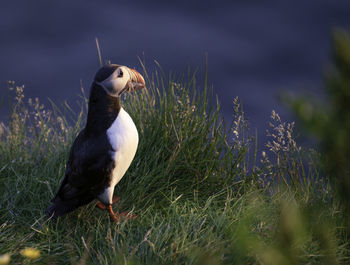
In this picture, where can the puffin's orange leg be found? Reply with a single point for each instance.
(115, 216)
(100, 205)
(112, 215)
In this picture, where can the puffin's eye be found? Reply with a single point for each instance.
(120, 73)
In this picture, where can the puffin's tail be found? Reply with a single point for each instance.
(59, 207)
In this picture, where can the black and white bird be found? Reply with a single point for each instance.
(104, 149)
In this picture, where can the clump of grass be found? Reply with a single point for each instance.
(184, 148)
(191, 185)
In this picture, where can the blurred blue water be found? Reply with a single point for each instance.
(255, 48)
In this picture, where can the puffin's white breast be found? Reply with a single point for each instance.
(124, 138)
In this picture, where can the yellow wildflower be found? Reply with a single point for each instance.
(5, 259)
(30, 253)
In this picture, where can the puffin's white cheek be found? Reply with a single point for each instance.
(118, 84)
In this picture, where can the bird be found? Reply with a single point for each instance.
(104, 149)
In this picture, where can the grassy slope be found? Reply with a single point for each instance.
(189, 185)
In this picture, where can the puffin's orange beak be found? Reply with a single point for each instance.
(136, 80)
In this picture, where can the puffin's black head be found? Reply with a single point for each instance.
(117, 79)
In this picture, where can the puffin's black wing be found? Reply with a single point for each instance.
(88, 172)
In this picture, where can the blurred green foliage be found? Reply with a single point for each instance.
(329, 120)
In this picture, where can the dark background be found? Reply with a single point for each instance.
(256, 49)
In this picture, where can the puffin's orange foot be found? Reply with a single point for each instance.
(100, 205)
(114, 216)
(128, 215)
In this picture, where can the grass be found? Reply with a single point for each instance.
(201, 191)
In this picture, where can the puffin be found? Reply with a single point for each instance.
(103, 150)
